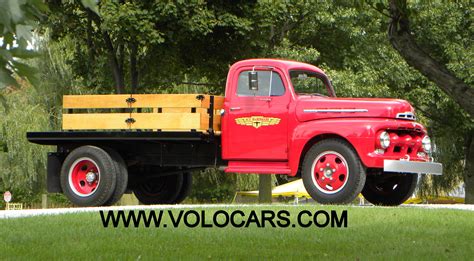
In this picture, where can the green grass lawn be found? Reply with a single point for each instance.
(372, 233)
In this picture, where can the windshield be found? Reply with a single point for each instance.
(311, 83)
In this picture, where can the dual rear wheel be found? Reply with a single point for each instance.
(171, 189)
(93, 176)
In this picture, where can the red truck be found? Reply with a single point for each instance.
(277, 117)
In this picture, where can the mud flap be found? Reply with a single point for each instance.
(55, 160)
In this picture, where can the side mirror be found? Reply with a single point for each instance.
(253, 81)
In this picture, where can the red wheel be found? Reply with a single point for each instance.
(330, 172)
(84, 177)
(88, 176)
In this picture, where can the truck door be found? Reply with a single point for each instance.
(257, 120)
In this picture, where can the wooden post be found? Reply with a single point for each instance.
(44, 201)
(265, 188)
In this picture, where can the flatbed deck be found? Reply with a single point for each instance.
(67, 137)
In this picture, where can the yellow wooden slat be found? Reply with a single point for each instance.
(108, 101)
(166, 100)
(94, 121)
(163, 121)
(95, 101)
(218, 102)
(217, 123)
(205, 122)
(183, 110)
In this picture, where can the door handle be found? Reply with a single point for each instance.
(234, 108)
(265, 99)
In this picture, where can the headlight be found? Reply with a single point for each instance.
(426, 144)
(384, 140)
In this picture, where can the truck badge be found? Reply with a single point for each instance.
(257, 121)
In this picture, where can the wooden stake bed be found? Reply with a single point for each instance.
(163, 112)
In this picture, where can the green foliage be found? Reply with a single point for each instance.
(17, 20)
(56, 78)
(290, 51)
(34, 109)
(23, 169)
(211, 185)
(173, 40)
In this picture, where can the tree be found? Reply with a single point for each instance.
(152, 43)
(402, 39)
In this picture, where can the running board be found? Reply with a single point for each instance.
(259, 167)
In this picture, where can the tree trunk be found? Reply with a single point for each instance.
(401, 39)
(117, 71)
(114, 64)
(90, 46)
(133, 67)
(469, 169)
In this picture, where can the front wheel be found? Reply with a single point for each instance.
(389, 189)
(332, 172)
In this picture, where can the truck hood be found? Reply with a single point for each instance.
(314, 108)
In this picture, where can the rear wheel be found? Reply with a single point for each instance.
(185, 188)
(88, 176)
(159, 190)
(389, 189)
(332, 172)
(121, 175)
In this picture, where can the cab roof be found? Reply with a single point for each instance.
(280, 63)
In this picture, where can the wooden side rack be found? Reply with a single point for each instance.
(159, 112)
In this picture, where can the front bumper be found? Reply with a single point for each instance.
(403, 166)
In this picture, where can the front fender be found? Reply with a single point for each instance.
(360, 133)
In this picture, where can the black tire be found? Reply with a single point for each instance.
(389, 189)
(121, 177)
(185, 187)
(81, 160)
(159, 190)
(343, 187)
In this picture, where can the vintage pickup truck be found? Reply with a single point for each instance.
(277, 117)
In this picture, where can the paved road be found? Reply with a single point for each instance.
(438, 206)
(58, 211)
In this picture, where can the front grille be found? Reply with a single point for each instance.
(404, 142)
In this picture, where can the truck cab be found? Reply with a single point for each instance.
(283, 117)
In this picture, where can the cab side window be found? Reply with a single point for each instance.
(269, 84)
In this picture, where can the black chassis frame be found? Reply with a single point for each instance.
(148, 153)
